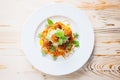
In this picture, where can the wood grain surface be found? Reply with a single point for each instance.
(104, 63)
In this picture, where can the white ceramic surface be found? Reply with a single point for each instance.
(79, 23)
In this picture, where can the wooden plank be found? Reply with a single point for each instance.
(29, 75)
(9, 76)
(14, 64)
(11, 52)
(100, 68)
(21, 10)
(106, 66)
(93, 4)
(104, 19)
(8, 37)
(107, 44)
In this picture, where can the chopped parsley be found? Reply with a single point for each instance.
(76, 43)
(75, 35)
(69, 46)
(54, 58)
(43, 53)
(52, 48)
(39, 35)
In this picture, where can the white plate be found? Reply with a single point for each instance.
(79, 23)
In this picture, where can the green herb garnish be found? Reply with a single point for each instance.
(68, 45)
(75, 35)
(54, 58)
(50, 22)
(76, 43)
(60, 41)
(64, 38)
(43, 53)
(59, 33)
(39, 35)
(52, 48)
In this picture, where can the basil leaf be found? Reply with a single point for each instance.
(76, 43)
(43, 53)
(59, 33)
(60, 41)
(50, 22)
(64, 38)
(75, 35)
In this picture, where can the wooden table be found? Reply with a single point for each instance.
(105, 61)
